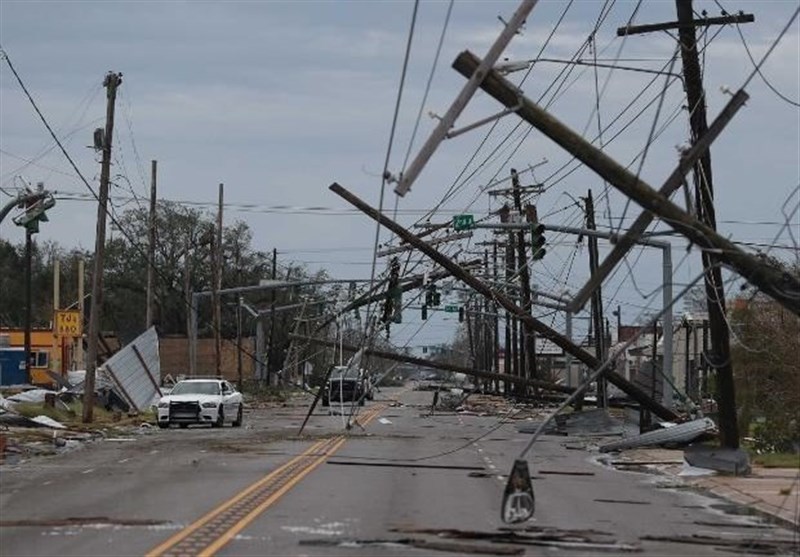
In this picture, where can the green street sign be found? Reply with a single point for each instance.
(463, 222)
(451, 308)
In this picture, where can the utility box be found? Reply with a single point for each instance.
(12, 366)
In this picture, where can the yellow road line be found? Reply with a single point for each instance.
(173, 540)
(328, 448)
(242, 524)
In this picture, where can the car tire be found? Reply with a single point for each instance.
(239, 417)
(163, 425)
(220, 418)
(183, 426)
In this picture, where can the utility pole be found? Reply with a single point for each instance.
(111, 82)
(704, 192)
(187, 296)
(151, 245)
(271, 354)
(597, 303)
(239, 379)
(704, 196)
(217, 287)
(495, 324)
(56, 363)
(28, 300)
(529, 337)
(79, 361)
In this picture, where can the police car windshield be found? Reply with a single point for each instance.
(196, 388)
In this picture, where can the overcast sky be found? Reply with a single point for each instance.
(278, 99)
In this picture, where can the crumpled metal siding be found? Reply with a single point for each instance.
(125, 369)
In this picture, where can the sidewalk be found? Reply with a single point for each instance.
(772, 491)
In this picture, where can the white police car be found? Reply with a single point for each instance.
(201, 401)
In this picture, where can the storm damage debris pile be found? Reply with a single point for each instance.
(494, 405)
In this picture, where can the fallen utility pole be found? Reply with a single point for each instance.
(479, 374)
(111, 82)
(777, 284)
(474, 80)
(459, 273)
(673, 182)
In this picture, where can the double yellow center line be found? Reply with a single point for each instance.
(211, 532)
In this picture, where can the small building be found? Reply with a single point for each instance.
(46, 355)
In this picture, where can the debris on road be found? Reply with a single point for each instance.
(672, 435)
(750, 546)
(594, 422)
(586, 540)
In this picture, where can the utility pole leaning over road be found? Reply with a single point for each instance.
(458, 273)
(111, 82)
(151, 245)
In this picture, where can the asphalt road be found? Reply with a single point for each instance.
(406, 483)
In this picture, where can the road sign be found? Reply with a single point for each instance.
(451, 308)
(463, 222)
(68, 323)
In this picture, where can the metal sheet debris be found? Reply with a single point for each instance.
(48, 422)
(676, 434)
(135, 371)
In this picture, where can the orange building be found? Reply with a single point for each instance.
(48, 352)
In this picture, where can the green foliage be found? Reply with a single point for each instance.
(765, 347)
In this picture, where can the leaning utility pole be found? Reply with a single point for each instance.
(704, 195)
(111, 82)
(217, 286)
(505, 301)
(771, 280)
(151, 245)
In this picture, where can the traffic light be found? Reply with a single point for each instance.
(424, 312)
(461, 315)
(537, 241)
(432, 296)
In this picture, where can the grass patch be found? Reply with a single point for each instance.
(776, 460)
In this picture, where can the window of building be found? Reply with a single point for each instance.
(42, 359)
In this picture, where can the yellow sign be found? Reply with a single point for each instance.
(68, 323)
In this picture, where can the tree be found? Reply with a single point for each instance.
(766, 342)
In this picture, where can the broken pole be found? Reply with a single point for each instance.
(470, 87)
(460, 274)
(774, 282)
